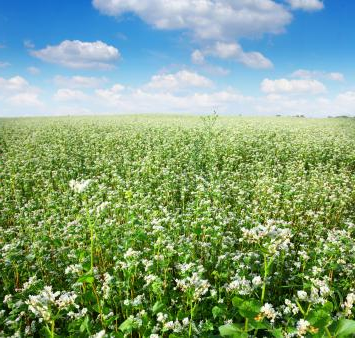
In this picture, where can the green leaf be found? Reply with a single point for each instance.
(319, 318)
(237, 301)
(328, 306)
(217, 312)
(86, 279)
(127, 326)
(345, 328)
(254, 324)
(249, 309)
(229, 330)
(86, 265)
(84, 324)
(277, 333)
(157, 307)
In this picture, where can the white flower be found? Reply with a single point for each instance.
(269, 312)
(302, 327)
(79, 186)
(290, 307)
(169, 325)
(73, 269)
(7, 298)
(100, 334)
(240, 285)
(106, 285)
(186, 321)
(161, 317)
(32, 280)
(102, 207)
(130, 253)
(348, 304)
(257, 281)
(302, 295)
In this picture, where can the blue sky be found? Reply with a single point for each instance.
(252, 57)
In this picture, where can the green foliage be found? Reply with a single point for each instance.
(149, 227)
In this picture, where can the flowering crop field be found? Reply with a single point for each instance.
(168, 226)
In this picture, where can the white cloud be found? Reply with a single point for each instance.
(77, 54)
(28, 44)
(25, 100)
(33, 70)
(315, 74)
(178, 81)
(227, 101)
(348, 96)
(223, 21)
(285, 86)
(215, 70)
(14, 84)
(306, 5)
(235, 52)
(197, 57)
(111, 96)
(206, 19)
(79, 81)
(140, 100)
(17, 92)
(335, 76)
(66, 94)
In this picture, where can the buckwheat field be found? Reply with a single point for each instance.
(177, 227)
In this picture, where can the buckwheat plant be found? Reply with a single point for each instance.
(169, 226)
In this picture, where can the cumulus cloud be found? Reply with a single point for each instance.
(206, 19)
(66, 94)
(235, 52)
(306, 5)
(178, 81)
(78, 81)
(315, 74)
(286, 86)
(112, 95)
(13, 84)
(197, 57)
(77, 54)
(28, 44)
(348, 96)
(141, 100)
(25, 100)
(222, 21)
(16, 91)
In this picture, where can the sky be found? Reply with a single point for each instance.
(249, 57)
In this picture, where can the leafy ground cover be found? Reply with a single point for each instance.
(174, 226)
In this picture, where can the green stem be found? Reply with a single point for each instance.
(91, 241)
(300, 307)
(246, 325)
(92, 248)
(264, 281)
(191, 316)
(328, 333)
(52, 328)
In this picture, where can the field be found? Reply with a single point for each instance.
(177, 227)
